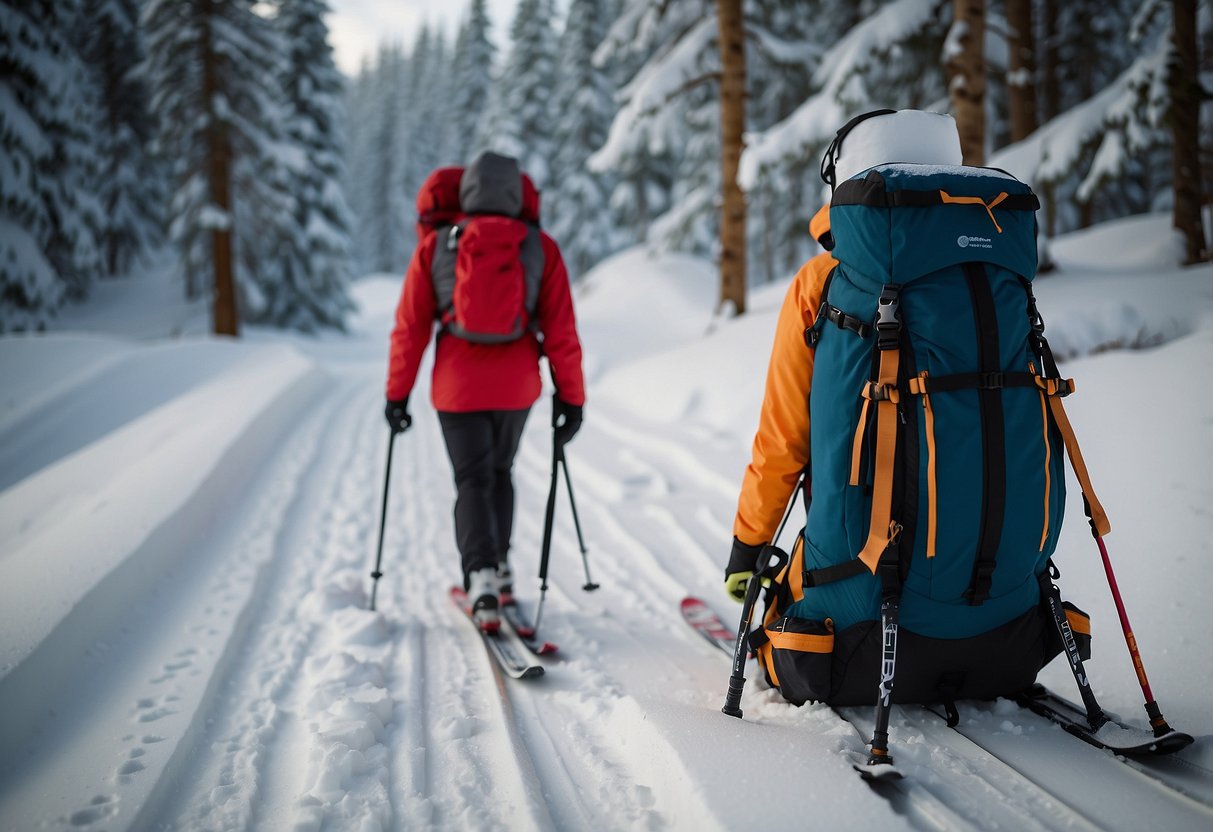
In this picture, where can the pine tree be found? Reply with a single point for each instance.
(130, 182)
(473, 79)
(663, 143)
(314, 259)
(214, 67)
(49, 217)
(518, 122)
(575, 204)
(1183, 115)
(965, 58)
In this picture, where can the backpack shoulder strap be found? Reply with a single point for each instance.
(533, 265)
(442, 267)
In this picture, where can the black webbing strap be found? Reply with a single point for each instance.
(849, 322)
(993, 436)
(871, 192)
(813, 333)
(837, 572)
(971, 381)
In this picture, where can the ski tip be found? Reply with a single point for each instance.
(1171, 742)
(532, 672)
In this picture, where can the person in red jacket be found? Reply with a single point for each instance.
(483, 391)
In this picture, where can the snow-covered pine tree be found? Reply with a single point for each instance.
(1109, 155)
(664, 138)
(130, 184)
(575, 203)
(385, 204)
(861, 57)
(313, 261)
(472, 74)
(518, 122)
(425, 128)
(49, 216)
(783, 44)
(360, 170)
(214, 68)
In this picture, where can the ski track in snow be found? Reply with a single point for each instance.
(252, 689)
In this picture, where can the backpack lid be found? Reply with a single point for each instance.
(438, 200)
(883, 136)
(492, 184)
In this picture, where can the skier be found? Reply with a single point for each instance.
(781, 445)
(476, 261)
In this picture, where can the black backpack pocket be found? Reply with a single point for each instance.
(796, 655)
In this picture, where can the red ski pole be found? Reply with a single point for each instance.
(1157, 721)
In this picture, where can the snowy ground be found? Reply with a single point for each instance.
(186, 525)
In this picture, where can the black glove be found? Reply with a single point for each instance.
(566, 419)
(743, 560)
(397, 413)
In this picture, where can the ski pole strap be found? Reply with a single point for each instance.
(1095, 513)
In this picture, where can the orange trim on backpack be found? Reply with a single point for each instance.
(1044, 418)
(883, 528)
(1099, 520)
(796, 570)
(1079, 623)
(932, 499)
(767, 661)
(801, 642)
(947, 198)
(857, 442)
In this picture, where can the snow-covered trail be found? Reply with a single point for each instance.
(226, 674)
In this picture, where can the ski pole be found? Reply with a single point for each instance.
(1157, 721)
(889, 612)
(589, 585)
(548, 516)
(771, 558)
(387, 478)
(1096, 718)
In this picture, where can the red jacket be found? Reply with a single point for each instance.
(470, 376)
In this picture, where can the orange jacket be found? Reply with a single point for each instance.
(781, 445)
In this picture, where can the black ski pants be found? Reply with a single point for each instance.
(482, 445)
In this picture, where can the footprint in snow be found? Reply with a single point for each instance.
(100, 807)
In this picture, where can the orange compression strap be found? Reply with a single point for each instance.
(857, 442)
(801, 642)
(1099, 520)
(883, 529)
(947, 198)
(1044, 417)
(932, 501)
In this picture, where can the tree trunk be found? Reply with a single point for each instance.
(1184, 117)
(1021, 78)
(732, 124)
(966, 68)
(224, 318)
(1050, 83)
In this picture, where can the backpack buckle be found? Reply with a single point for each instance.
(992, 381)
(888, 320)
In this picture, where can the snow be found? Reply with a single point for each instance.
(186, 526)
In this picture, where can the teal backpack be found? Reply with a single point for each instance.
(937, 481)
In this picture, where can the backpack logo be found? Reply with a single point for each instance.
(965, 241)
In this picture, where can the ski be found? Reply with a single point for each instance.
(504, 645)
(704, 620)
(1114, 735)
(512, 613)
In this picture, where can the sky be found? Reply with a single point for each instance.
(356, 27)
